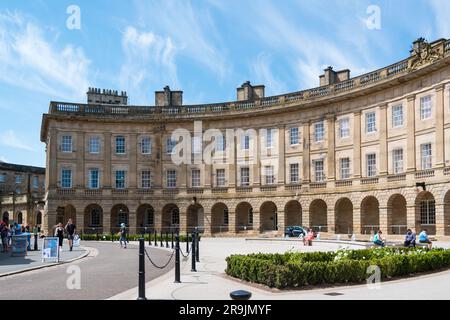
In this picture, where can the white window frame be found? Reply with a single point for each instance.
(3, 178)
(146, 146)
(371, 165)
(220, 178)
(66, 178)
(397, 116)
(319, 170)
(91, 180)
(66, 144)
(120, 146)
(171, 177)
(371, 122)
(146, 179)
(121, 182)
(170, 146)
(18, 179)
(269, 138)
(344, 128)
(220, 143)
(426, 107)
(344, 167)
(426, 156)
(94, 145)
(245, 143)
(294, 136)
(319, 131)
(245, 179)
(269, 174)
(397, 161)
(294, 173)
(195, 178)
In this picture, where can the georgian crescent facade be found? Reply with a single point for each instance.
(352, 155)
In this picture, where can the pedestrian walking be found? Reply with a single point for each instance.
(4, 235)
(70, 229)
(123, 235)
(59, 232)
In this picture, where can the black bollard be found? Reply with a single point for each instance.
(112, 236)
(150, 238)
(172, 239)
(240, 295)
(97, 235)
(167, 239)
(193, 269)
(36, 242)
(161, 239)
(141, 271)
(197, 245)
(156, 242)
(187, 242)
(81, 234)
(177, 258)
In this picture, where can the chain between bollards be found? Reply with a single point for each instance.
(193, 269)
(141, 270)
(177, 258)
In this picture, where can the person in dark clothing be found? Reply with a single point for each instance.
(59, 232)
(70, 229)
(410, 239)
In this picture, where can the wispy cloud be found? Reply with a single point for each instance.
(149, 60)
(192, 30)
(10, 139)
(261, 69)
(29, 61)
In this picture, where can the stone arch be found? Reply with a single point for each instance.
(93, 218)
(344, 216)
(318, 215)
(268, 216)
(370, 215)
(170, 217)
(425, 212)
(119, 214)
(447, 213)
(219, 218)
(244, 216)
(194, 217)
(397, 214)
(64, 213)
(293, 213)
(145, 218)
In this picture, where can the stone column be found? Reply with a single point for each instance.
(357, 149)
(411, 134)
(232, 222)
(256, 221)
(357, 219)
(158, 163)
(132, 221)
(133, 174)
(306, 156)
(331, 158)
(331, 220)
(208, 176)
(383, 141)
(183, 220)
(207, 223)
(79, 218)
(440, 219)
(52, 178)
(383, 214)
(106, 218)
(80, 172)
(107, 162)
(281, 222)
(440, 138)
(281, 176)
(231, 158)
(305, 216)
(183, 176)
(411, 218)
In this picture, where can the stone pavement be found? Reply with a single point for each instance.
(211, 283)
(33, 260)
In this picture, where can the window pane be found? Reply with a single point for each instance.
(94, 145)
(93, 179)
(370, 122)
(66, 178)
(196, 178)
(120, 145)
(425, 107)
(171, 179)
(426, 155)
(294, 136)
(319, 171)
(344, 128)
(319, 131)
(220, 177)
(294, 173)
(146, 146)
(269, 174)
(245, 176)
(397, 160)
(397, 116)
(146, 181)
(120, 179)
(371, 165)
(66, 144)
(345, 168)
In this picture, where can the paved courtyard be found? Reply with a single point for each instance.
(211, 283)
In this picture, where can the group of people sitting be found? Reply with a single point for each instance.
(410, 239)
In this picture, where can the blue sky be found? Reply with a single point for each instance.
(205, 48)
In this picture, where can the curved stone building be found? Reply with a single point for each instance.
(353, 155)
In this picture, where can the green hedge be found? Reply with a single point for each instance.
(131, 237)
(343, 266)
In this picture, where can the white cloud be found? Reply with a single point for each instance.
(193, 31)
(149, 59)
(28, 60)
(3, 159)
(261, 70)
(10, 139)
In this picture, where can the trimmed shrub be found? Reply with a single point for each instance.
(343, 266)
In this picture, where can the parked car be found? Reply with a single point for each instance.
(294, 231)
